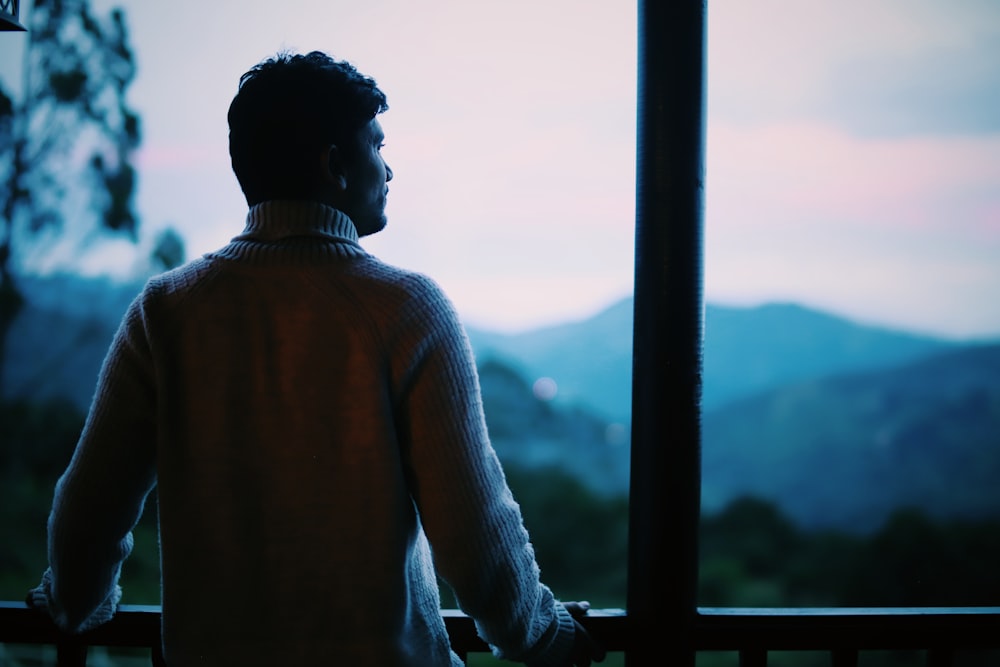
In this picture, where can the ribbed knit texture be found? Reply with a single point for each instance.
(312, 420)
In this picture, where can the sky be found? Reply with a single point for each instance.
(852, 164)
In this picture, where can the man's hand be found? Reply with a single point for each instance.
(40, 598)
(585, 649)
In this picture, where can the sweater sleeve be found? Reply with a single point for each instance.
(100, 496)
(480, 545)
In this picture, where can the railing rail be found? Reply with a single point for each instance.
(753, 633)
(844, 632)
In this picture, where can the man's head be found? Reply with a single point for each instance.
(304, 127)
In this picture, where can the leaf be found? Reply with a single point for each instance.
(68, 87)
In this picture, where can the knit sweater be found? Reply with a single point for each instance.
(311, 420)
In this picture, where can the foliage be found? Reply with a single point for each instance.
(67, 142)
(751, 553)
(168, 252)
(752, 556)
(36, 442)
(580, 538)
(914, 561)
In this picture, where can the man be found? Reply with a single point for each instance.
(312, 421)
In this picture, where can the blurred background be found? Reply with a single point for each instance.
(851, 410)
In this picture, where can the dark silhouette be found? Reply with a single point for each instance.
(312, 422)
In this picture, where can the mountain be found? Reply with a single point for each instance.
(529, 431)
(836, 422)
(840, 451)
(57, 343)
(60, 338)
(589, 361)
(845, 451)
(747, 350)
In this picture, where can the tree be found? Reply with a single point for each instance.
(67, 142)
(168, 252)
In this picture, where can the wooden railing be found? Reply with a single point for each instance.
(845, 632)
(752, 633)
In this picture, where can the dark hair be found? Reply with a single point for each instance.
(286, 110)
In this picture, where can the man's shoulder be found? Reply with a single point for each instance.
(405, 282)
(408, 294)
(178, 281)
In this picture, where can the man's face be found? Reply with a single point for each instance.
(367, 175)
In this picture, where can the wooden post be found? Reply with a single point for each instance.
(668, 331)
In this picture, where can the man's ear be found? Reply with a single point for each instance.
(332, 168)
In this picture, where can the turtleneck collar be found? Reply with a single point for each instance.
(275, 220)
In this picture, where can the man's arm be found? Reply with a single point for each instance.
(100, 496)
(473, 523)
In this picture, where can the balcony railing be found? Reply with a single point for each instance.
(663, 624)
(942, 633)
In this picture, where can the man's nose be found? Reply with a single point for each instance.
(388, 173)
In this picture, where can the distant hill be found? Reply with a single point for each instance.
(836, 422)
(747, 350)
(590, 361)
(844, 451)
(841, 451)
(59, 340)
(532, 432)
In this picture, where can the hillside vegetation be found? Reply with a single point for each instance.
(841, 464)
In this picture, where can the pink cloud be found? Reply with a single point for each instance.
(791, 174)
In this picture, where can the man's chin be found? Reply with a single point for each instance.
(373, 228)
